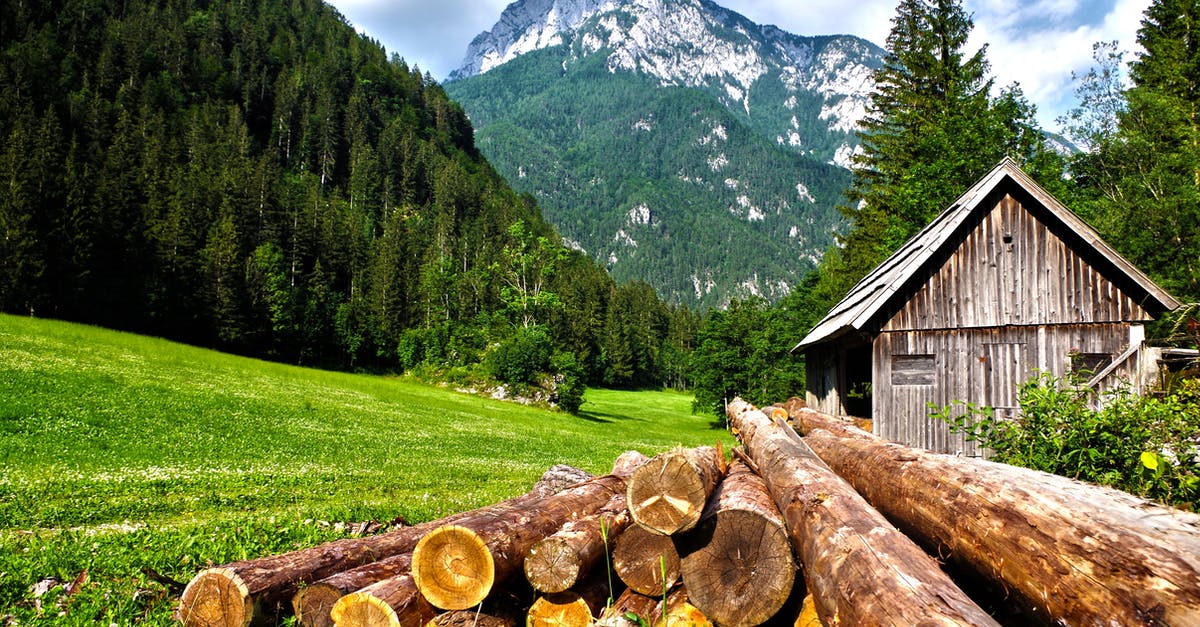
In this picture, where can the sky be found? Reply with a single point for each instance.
(1037, 43)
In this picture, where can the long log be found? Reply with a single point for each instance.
(667, 494)
(237, 593)
(738, 563)
(564, 558)
(860, 569)
(807, 420)
(1066, 551)
(641, 558)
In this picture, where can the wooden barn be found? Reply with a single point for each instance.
(1004, 283)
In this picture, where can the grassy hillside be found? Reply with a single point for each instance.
(123, 453)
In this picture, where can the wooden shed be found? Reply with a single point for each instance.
(1004, 283)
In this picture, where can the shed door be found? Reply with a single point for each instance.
(1005, 369)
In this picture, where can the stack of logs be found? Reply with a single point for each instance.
(836, 527)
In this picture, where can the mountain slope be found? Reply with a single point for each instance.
(673, 140)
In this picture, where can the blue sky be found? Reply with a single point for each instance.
(1037, 43)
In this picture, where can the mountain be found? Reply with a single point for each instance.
(673, 140)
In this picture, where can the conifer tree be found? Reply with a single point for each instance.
(932, 129)
(1143, 180)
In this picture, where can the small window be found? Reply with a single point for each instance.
(1088, 364)
(912, 369)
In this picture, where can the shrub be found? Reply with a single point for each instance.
(569, 385)
(1140, 444)
(521, 358)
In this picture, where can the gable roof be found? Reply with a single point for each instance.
(878, 287)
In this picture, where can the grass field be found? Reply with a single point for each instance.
(123, 455)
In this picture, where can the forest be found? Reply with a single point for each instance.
(256, 177)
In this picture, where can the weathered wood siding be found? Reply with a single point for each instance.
(982, 366)
(821, 380)
(1012, 270)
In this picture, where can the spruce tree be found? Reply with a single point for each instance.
(1153, 212)
(932, 129)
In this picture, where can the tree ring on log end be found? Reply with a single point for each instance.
(554, 610)
(453, 568)
(552, 566)
(666, 494)
(216, 597)
(361, 608)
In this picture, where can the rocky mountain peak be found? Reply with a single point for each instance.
(696, 43)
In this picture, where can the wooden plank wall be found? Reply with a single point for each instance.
(1012, 270)
(983, 366)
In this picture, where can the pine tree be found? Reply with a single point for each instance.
(932, 130)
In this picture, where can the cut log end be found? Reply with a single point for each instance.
(666, 495)
(565, 609)
(641, 557)
(552, 565)
(216, 597)
(744, 573)
(363, 609)
(314, 603)
(453, 568)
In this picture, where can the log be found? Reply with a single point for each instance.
(667, 494)
(739, 567)
(1066, 552)
(640, 557)
(237, 593)
(629, 603)
(860, 569)
(628, 462)
(560, 609)
(394, 601)
(564, 558)
(471, 618)
(504, 608)
(648, 610)
(806, 420)
(313, 603)
(456, 568)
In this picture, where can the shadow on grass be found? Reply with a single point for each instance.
(593, 416)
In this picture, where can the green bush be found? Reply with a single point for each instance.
(1140, 444)
(523, 357)
(568, 378)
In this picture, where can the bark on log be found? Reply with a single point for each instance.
(640, 557)
(393, 601)
(471, 618)
(628, 462)
(237, 593)
(806, 420)
(860, 569)
(503, 541)
(739, 567)
(667, 494)
(313, 603)
(1069, 552)
(565, 558)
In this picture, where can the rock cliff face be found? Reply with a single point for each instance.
(674, 140)
(761, 70)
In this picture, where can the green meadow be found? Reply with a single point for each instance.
(129, 461)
